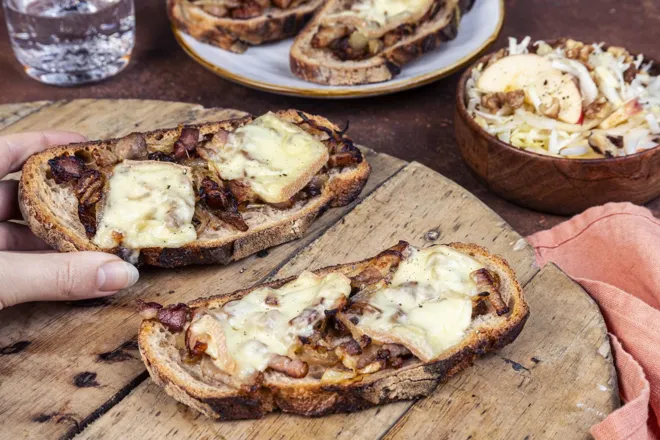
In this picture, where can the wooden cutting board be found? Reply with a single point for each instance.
(68, 369)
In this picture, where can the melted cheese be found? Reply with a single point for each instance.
(148, 204)
(243, 335)
(441, 267)
(382, 12)
(428, 305)
(273, 156)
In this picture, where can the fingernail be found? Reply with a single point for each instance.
(117, 275)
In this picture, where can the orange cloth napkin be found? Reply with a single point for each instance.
(613, 251)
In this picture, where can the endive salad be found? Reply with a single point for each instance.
(569, 99)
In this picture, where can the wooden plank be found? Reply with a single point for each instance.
(75, 360)
(413, 202)
(106, 118)
(10, 113)
(555, 381)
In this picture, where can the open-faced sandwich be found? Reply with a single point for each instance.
(235, 25)
(197, 194)
(338, 339)
(567, 99)
(367, 41)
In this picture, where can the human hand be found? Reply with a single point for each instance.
(29, 269)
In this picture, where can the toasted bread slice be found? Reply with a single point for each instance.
(237, 34)
(53, 211)
(170, 367)
(323, 65)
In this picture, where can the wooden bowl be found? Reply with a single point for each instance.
(551, 184)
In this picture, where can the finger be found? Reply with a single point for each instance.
(9, 209)
(62, 277)
(16, 148)
(15, 237)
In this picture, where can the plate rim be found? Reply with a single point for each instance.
(385, 89)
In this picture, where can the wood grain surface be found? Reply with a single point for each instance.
(415, 125)
(13, 112)
(68, 369)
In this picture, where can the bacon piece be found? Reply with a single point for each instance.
(328, 34)
(486, 283)
(66, 168)
(89, 190)
(241, 191)
(369, 275)
(215, 196)
(222, 202)
(220, 137)
(248, 9)
(174, 316)
(186, 143)
(208, 149)
(396, 350)
(291, 367)
(133, 146)
(87, 216)
(391, 354)
(395, 354)
(234, 219)
(89, 186)
(148, 310)
(351, 347)
(371, 354)
(160, 157)
(104, 158)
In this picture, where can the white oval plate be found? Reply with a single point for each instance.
(267, 67)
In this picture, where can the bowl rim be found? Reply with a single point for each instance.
(461, 109)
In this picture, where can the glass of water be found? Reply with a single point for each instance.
(70, 42)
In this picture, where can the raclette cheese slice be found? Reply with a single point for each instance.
(275, 157)
(383, 11)
(242, 336)
(428, 306)
(147, 204)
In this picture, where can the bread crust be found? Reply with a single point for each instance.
(316, 399)
(51, 226)
(237, 35)
(306, 63)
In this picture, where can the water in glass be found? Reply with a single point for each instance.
(69, 42)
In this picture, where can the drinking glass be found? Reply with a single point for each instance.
(70, 42)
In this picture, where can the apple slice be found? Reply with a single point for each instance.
(530, 72)
(622, 114)
(552, 84)
(512, 72)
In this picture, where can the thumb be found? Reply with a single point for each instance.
(62, 277)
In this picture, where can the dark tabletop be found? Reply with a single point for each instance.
(413, 125)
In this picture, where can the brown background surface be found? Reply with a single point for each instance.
(413, 125)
